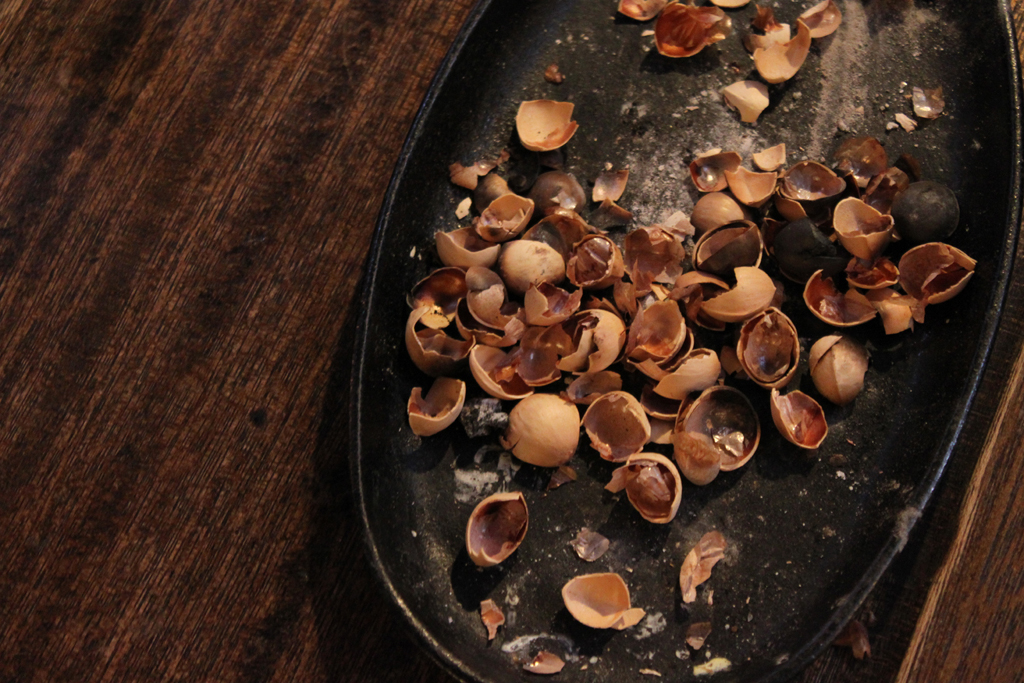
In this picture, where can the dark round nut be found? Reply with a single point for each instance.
(801, 249)
(926, 212)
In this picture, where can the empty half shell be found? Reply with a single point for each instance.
(769, 349)
(779, 62)
(653, 486)
(799, 418)
(544, 125)
(719, 431)
(770, 159)
(708, 170)
(641, 10)
(595, 263)
(935, 272)
(617, 425)
(698, 371)
(863, 230)
(753, 292)
(823, 19)
(601, 601)
(464, 248)
(496, 528)
(723, 249)
(751, 188)
(838, 309)
(597, 338)
(543, 430)
(434, 352)
(439, 408)
(684, 30)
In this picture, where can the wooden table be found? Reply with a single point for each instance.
(187, 199)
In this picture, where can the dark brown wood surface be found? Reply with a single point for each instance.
(187, 197)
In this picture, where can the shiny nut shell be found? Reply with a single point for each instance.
(496, 528)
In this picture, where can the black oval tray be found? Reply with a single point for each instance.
(809, 539)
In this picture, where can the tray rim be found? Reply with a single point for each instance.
(919, 498)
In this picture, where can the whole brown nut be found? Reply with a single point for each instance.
(526, 262)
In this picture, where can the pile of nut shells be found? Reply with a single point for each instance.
(659, 334)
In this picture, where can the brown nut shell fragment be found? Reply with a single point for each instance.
(699, 561)
(770, 159)
(590, 545)
(464, 248)
(556, 190)
(708, 170)
(597, 336)
(434, 352)
(617, 426)
(587, 388)
(753, 292)
(543, 430)
(496, 528)
(527, 262)
(808, 181)
(715, 209)
(840, 310)
(895, 309)
(862, 229)
(727, 247)
(596, 263)
(750, 188)
(492, 617)
(838, 365)
(546, 304)
(720, 424)
(872, 274)
(441, 406)
(652, 255)
(441, 291)
(799, 418)
(544, 125)
(698, 371)
(769, 349)
(823, 19)
(684, 30)
(653, 486)
(641, 10)
(504, 218)
(601, 601)
(545, 663)
(780, 33)
(864, 157)
(657, 333)
(749, 98)
(780, 62)
(495, 372)
(610, 185)
(935, 272)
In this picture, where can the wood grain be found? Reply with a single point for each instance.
(187, 199)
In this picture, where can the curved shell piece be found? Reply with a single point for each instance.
(750, 188)
(752, 294)
(807, 181)
(719, 431)
(777, 33)
(708, 170)
(595, 263)
(895, 309)
(464, 248)
(617, 425)
(601, 601)
(545, 663)
(441, 406)
(799, 418)
(935, 272)
(749, 98)
(496, 528)
(684, 30)
(840, 310)
(597, 336)
(657, 332)
(434, 352)
(441, 290)
(823, 19)
(546, 304)
(653, 486)
(698, 371)
(838, 365)
(715, 209)
(698, 563)
(610, 185)
(641, 10)
(780, 61)
(504, 218)
(543, 430)
(769, 349)
(864, 157)
(587, 388)
(652, 255)
(727, 247)
(557, 191)
(862, 230)
(872, 274)
(544, 125)
(495, 372)
(770, 159)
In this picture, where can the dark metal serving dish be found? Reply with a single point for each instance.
(809, 537)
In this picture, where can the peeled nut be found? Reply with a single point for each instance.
(601, 601)
(838, 365)
(496, 528)
(527, 262)
(441, 406)
(543, 430)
